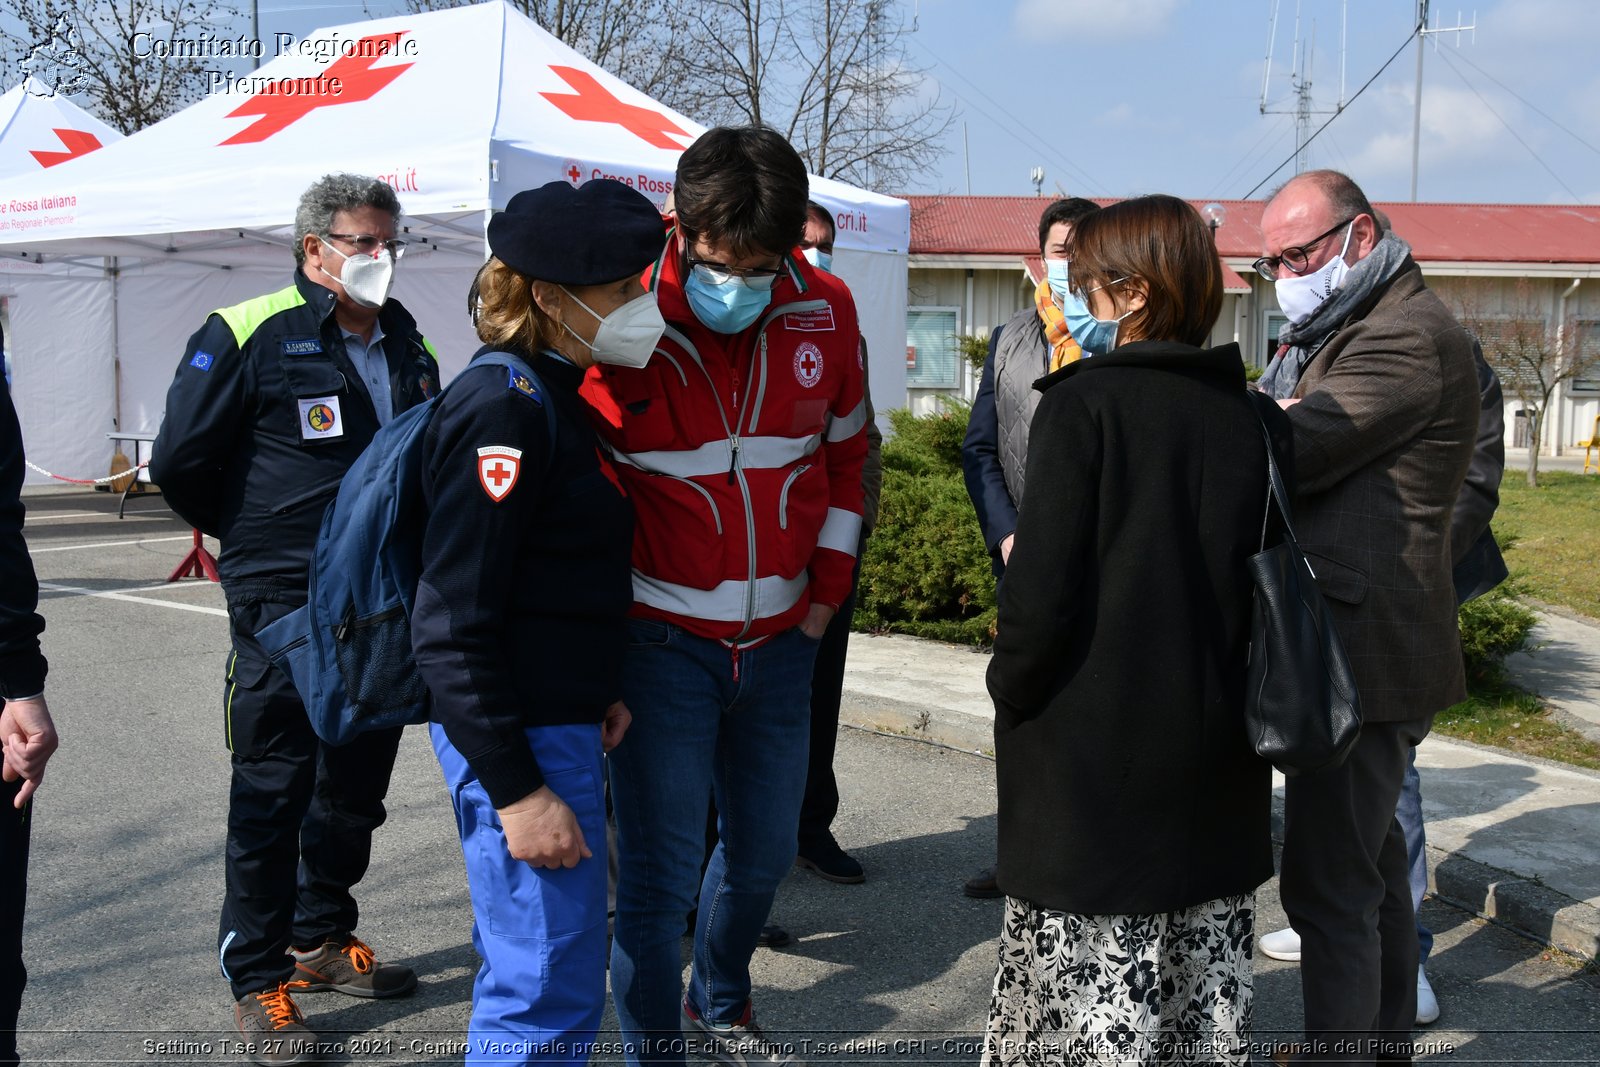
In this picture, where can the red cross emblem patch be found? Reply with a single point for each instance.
(807, 364)
(498, 467)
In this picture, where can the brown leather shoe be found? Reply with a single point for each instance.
(350, 968)
(272, 1029)
(982, 886)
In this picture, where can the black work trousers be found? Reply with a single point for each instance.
(1346, 888)
(300, 817)
(14, 830)
(821, 802)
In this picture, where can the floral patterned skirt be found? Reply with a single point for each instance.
(1076, 990)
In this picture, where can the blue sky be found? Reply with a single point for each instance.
(1121, 97)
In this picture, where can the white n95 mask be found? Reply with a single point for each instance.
(628, 336)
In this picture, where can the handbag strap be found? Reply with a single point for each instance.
(1275, 487)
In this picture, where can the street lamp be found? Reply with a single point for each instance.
(1215, 215)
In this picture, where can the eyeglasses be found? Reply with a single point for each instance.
(759, 278)
(368, 245)
(1297, 257)
(1082, 295)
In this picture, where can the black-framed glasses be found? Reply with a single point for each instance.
(1296, 257)
(761, 278)
(367, 245)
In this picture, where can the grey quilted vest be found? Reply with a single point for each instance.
(1022, 358)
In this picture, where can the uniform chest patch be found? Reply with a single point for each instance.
(320, 418)
(818, 321)
(301, 346)
(807, 364)
(498, 467)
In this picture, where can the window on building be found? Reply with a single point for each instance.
(933, 359)
(1516, 349)
(1273, 323)
(1586, 344)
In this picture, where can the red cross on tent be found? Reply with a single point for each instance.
(350, 79)
(77, 142)
(593, 102)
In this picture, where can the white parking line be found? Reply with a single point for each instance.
(110, 544)
(105, 595)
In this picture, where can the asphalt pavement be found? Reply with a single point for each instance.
(126, 874)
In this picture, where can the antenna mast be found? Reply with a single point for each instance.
(1301, 53)
(1423, 32)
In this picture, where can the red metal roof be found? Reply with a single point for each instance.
(1479, 233)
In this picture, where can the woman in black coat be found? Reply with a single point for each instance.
(1134, 815)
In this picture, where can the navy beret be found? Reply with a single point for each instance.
(602, 231)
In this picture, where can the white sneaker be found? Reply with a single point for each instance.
(1427, 1003)
(1280, 945)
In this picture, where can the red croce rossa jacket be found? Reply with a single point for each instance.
(742, 454)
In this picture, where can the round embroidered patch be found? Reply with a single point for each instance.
(808, 364)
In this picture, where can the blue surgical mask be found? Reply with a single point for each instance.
(1097, 336)
(819, 259)
(728, 307)
(1055, 271)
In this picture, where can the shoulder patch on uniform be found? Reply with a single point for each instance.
(498, 467)
(518, 382)
(202, 360)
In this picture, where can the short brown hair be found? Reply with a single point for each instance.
(508, 315)
(743, 186)
(1162, 241)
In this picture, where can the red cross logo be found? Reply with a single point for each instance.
(808, 364)
(78, 143)
(593, 102)
(498, 467)
(349, 80)
(572, 172)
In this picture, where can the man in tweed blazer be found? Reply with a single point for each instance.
(1381, 388)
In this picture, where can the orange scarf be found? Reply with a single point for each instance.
(1063, 349)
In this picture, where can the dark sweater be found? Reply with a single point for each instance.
(520, 611)
(1127, 785)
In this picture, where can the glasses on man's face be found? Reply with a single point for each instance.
(1297, 257)
(367, 245)
(760, 278)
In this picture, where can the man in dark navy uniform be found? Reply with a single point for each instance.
(273, 401)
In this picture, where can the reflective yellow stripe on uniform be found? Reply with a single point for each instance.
(243, 319)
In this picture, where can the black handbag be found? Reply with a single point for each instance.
(1301, 708)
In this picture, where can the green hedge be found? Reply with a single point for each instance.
(926, 570)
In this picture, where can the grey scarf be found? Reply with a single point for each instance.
(1303, 339)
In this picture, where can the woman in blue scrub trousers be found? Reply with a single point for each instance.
(519, 620)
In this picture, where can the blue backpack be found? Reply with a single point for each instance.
(348, 650)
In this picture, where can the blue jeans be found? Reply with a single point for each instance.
(541, 933)
(699, 731)
(1409, 814)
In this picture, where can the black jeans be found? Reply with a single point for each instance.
(14, 828)
(821, 802)
(1346, 887)
(300, 817)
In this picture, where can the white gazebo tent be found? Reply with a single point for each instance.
(40, 131)
(457, 109)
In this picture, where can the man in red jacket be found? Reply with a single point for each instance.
(741, 445)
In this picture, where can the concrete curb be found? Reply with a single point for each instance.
(1521, 904)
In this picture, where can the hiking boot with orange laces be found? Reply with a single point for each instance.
(271, 1028)
(350, 968)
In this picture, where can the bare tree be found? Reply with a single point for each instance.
(1532, 356)
(834, 76)
(116, 53)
